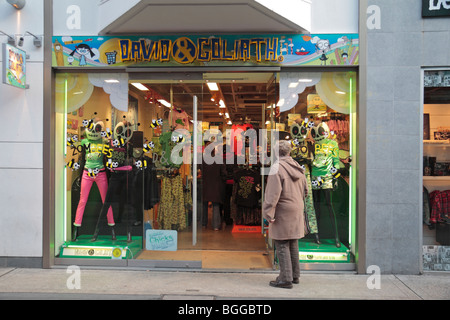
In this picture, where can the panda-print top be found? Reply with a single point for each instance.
(122, 157)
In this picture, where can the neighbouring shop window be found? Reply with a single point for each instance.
(436, 171)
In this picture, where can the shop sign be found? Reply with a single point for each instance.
(14, 66)
(226, 50)
(435, 8)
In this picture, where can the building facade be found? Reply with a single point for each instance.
(384, 222)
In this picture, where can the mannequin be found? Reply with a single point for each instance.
(324, 168)
(302, 153)
(94, 150)
(120, 165)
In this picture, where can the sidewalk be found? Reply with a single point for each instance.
(52, 284)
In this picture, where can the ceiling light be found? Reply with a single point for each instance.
(222, 104)
(140, 86)
(229, 122)
(164, 103)
(213, 86)
(227, 115)
(18, 4)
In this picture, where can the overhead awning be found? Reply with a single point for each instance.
(195, 16)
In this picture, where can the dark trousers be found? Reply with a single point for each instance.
(216, 220)
(120, 195)
(287, 253)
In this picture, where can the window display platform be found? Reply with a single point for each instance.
(309, 251)
(103, 248)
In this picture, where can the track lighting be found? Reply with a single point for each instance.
(11, 39)
(18, 4)
(37, 40)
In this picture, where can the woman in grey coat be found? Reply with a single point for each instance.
(284, 209)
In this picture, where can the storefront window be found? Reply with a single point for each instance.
(98, 174)
(436, 170)
(136, 170)
(318, 112)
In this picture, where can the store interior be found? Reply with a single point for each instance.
(223, 100)
(159, 103)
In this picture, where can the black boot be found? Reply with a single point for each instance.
(75, 234)
(113, 234)
(95, 236)
(338, 243)
(316, 238)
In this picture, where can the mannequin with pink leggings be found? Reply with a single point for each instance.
(95, 148)
(86, 183)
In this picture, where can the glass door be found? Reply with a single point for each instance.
(171, 106)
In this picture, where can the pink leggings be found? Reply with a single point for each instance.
(86, 184)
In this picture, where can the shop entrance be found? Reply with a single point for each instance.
(204, 111)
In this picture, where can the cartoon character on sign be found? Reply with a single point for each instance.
(83, 50)
(322, 47)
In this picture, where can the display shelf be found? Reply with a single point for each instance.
(437, 143)
(436, 178)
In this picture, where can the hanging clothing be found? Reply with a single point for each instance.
(172, 208)
(248, 184)
(426, 206)
(440, 205)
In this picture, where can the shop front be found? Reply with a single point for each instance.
(163, 146)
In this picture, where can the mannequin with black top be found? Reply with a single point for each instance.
(120, 165)
(302, 152)
(323, 175)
